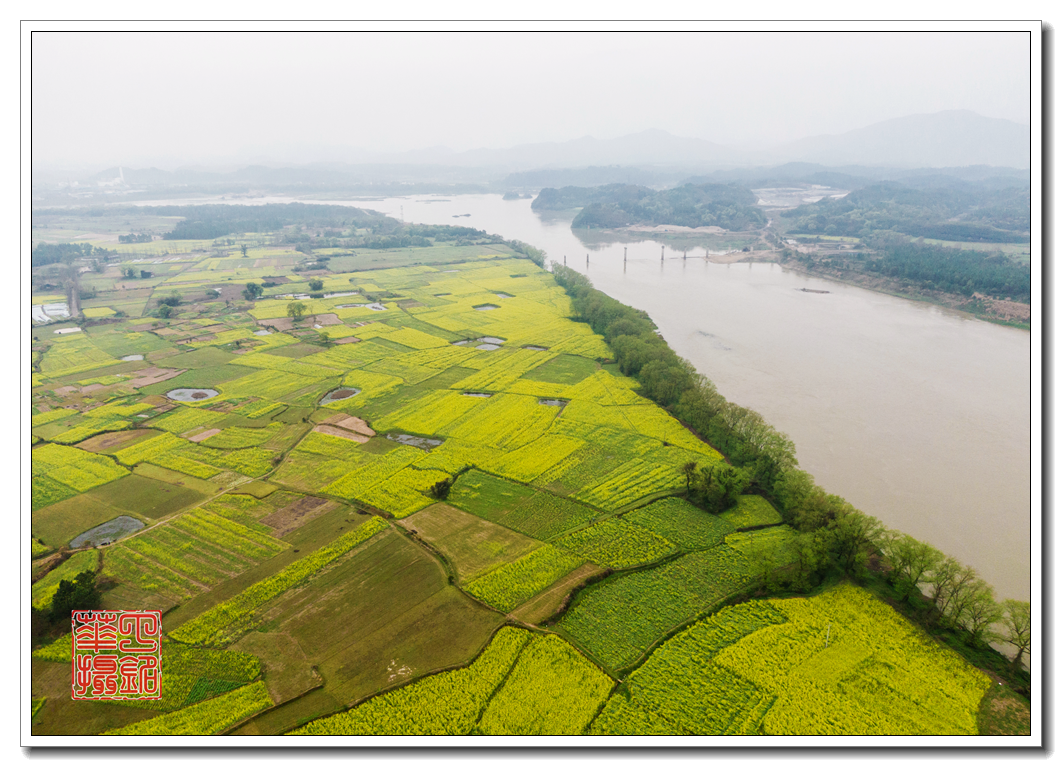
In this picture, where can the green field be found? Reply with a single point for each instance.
(468, 541)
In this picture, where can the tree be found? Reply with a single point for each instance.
(911, 562)
(441, 489)
(690, 470)
(809, 552)
(165, 311)
(719, 486)
(852, 535)
(950, 581)
(296, 310)
(129, 273)
(253, 291)
(243, 250)
(316, 285)
(79, 594)
(1017, 621)
(979, 610)
(173, 299)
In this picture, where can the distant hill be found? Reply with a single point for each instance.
(618, 205)
(951, 138)
(650, 147)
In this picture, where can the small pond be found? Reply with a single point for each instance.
(486, 342)
(554, 402)
(191, 395)
(503, 295)
(485, 307)
(477, 394)
(424, 443)
(263, 332)
(339, 394)
(536, 348)
(375, 307)
(108, 532)
(132, 358)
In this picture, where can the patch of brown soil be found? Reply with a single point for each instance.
(327, 319)
(350, 423)
(277, 323)
(107, 441)
(347, 340)
(341, 433)
(148, 376)
(204, 435)
(296, 514)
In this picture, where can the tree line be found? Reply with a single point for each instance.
(45, 253)
(954, 212)
(832, 535)
(729, 206)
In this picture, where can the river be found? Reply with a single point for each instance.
(916, 414)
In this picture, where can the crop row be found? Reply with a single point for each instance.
(846, 663)
(395, 366)
(235, 437)
(449, 703)
(370, 472)
(77, 469)
(682, 523)
(73, 353)
(604, 388)
(552, 690)
(230, 618)
(633, 480)
(529, 461)
(505, 370)
(404, 493)
(430, 412)
(506, 421)
(89, 428)
(277, 385)
(207, 718)
(616, 543)
(46, 491)
(440, 358)
(39, 419)
(182, 419)
(126, 566)
(619, 618)
(260, 409)
(119, 408)
(515, 582)
(681, 690)
(230, 665)
(288, 365)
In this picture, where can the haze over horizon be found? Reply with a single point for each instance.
(227, 99)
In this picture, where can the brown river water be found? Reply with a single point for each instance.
(918, 415)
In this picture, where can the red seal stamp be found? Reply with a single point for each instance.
(116, 654)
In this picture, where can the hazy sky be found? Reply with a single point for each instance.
(179, 98)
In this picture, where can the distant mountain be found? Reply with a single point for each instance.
(953, 138)
(650, 147)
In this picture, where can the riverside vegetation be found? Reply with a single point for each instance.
(454, 494)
